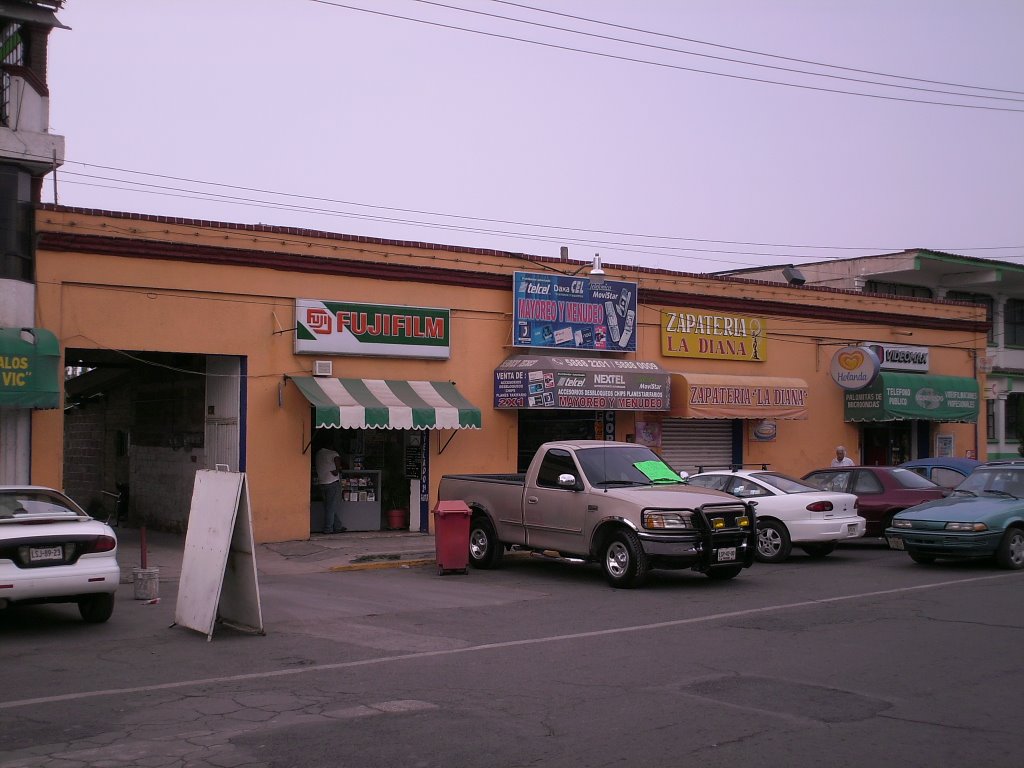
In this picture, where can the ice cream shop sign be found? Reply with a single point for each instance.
(854, 368)
(349, 328)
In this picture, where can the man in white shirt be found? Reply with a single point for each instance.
(328, 476)
(841, 459)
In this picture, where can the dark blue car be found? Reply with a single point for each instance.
(982, 518)
(948, 472)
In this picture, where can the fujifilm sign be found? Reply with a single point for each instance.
(892, 357)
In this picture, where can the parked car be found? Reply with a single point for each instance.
(947, 471)
(51, 551)
(789, 511)
(983, 517)
(880, 491)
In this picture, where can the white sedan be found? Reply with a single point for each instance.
(53, 552)
(789, 511)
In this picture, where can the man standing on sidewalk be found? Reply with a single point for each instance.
(328, 475)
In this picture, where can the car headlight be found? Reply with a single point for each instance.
(972, 527)
(902, 524)
(665, 520)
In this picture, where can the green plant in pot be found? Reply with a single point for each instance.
(395, 498)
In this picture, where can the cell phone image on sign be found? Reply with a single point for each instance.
(612, 320)
(628, 330)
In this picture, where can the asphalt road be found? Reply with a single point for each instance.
(860, 659)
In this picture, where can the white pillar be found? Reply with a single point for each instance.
(15, 446)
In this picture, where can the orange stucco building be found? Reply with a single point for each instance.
(188, 340)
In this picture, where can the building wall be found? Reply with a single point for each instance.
(113, 282)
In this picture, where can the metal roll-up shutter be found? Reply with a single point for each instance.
(689, 444)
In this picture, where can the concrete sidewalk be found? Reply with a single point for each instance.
(338, 552)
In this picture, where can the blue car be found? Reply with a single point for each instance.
(947, 471)
(982, 518)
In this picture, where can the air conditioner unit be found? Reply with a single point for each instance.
(323, 368)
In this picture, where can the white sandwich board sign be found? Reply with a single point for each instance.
(218, 569)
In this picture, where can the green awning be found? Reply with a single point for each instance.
(899, 396)
(381, 404)
(29, 368)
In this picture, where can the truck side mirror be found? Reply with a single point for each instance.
(567, 480)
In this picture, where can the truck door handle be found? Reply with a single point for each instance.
(532, 499)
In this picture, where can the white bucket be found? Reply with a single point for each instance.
(147, 583)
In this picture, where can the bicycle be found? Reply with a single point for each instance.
(120, 504)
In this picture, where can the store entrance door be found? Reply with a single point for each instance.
(540, 426)
(887, 443)
(375, 492)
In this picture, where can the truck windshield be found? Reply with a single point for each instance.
(616, 465)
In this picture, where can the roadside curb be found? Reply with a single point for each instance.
(378, 565)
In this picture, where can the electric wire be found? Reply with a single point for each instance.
(717, 58)
(665, 65)
(748, 50)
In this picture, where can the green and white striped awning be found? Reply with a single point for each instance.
(381, 404)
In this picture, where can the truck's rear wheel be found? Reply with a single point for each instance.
(485, 550)
(624, 561)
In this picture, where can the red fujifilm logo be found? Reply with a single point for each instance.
(318, 320)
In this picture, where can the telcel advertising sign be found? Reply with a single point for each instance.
(348, 328)
(565, 312)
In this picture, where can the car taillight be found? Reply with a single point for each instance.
(99, 544)
(820, 506)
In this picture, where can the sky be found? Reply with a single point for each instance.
(693, 135)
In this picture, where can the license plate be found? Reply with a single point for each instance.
(894, 543)
(726, 554)
(851, 529)
(45, 554)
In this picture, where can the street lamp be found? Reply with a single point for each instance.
(596, 273)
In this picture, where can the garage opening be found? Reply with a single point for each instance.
(137, 426)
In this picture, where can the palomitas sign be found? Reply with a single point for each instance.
(349, 328)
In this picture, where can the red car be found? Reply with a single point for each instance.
(881, 491)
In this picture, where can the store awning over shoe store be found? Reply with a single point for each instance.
(29, 368)
(392, 404)
(901, 396)
(713, 396)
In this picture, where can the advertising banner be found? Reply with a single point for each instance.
(713, 336)
(555, 311)
(897, 396)
(581, 383)
(349, 328)
(901, 357)
(29, 368)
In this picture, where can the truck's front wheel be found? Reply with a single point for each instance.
(624, 561)
(485, 550)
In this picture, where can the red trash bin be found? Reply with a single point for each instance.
(451, 536)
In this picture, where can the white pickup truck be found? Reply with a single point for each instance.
(614, 503)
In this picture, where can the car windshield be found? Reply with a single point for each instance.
(995, 480)
(33, 504)
(909, 479)
(630, 465)
(785, 483)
